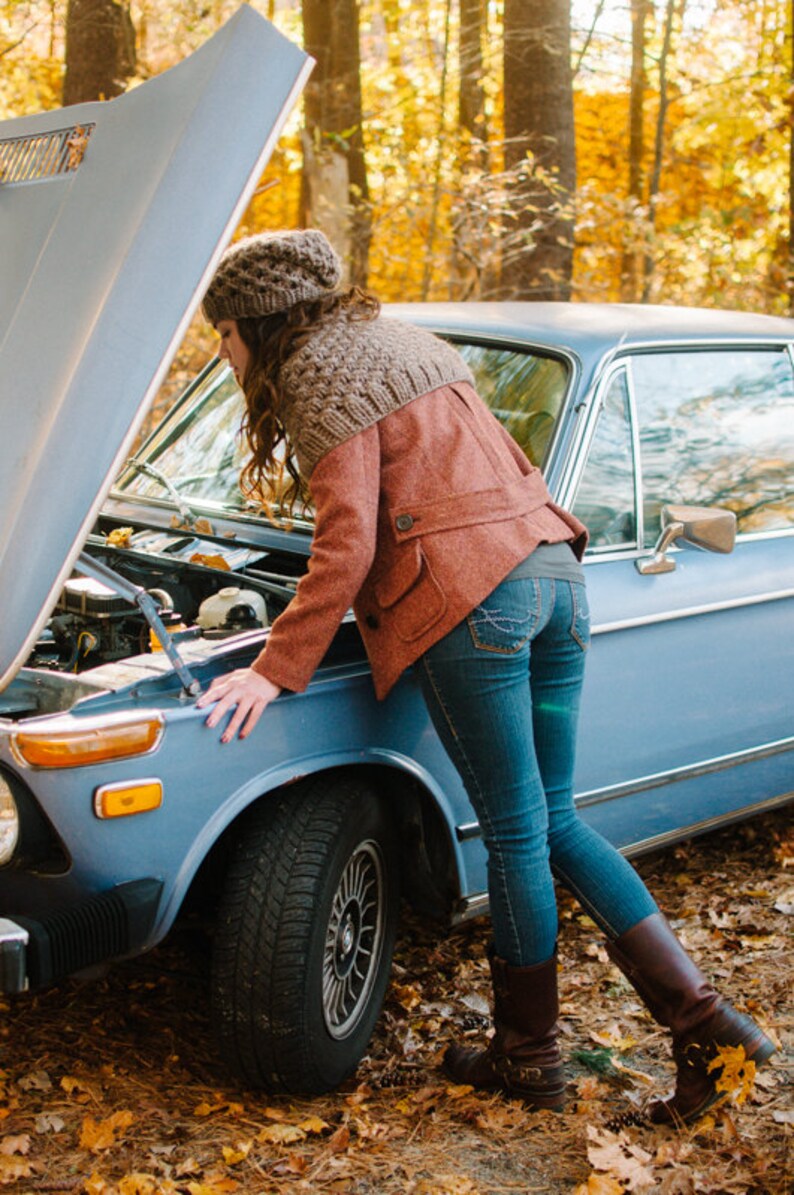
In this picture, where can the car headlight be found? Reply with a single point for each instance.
(9, 823)
(74, 743)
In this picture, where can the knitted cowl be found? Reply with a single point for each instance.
(352, 372)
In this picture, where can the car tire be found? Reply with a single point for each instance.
(304, 935)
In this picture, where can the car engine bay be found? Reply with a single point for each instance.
(202, 589)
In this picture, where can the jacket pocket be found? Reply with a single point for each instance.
(411, 592)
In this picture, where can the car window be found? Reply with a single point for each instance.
(524, 390)
(198, 447)
(605, 497)
(716, 428)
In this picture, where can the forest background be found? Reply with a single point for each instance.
(636, 150)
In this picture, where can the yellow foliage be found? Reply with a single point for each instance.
(737, 1072)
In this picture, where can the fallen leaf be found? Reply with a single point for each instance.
(313, 1124)
(281, 1134)
(15, 1145)
(619, 1158)
(97, 1135)
(12, 1169)
(49, 1122)
(81, 1091)
(406, 996)
(119, 537)
(446, 1184)
(737, 1072)
(143, 1184)
(186, 1168)
(599, 1184)
(237, 1153)
(35, 1081)
(783, 1116)
(211, 560)
(205, 1108)
(339, 1141)
(94, 1185)
(613, 1039)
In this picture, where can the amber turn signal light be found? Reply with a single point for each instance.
(122, 800)
(71, 746)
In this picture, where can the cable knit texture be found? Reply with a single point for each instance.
(271, 272)
(353, 372)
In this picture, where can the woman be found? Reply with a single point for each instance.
(432, 524)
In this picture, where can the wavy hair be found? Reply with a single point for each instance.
(271, 477)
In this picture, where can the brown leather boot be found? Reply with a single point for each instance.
(523, 1058)
(678, 996)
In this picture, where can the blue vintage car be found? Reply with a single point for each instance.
(670, 432)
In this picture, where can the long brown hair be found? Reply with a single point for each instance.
(271, 476)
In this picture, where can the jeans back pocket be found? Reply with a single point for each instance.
(508, 617)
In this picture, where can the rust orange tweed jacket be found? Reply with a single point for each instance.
(418, 518)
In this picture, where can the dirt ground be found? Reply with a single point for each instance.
(113, 1087)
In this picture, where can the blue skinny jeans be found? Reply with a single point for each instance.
(503, 691)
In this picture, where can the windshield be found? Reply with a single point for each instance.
(197, 452)
(198, 447)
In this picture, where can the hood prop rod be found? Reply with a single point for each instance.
(148, 607)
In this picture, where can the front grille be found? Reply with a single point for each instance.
(43, 155)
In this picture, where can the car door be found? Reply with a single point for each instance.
(687, 708)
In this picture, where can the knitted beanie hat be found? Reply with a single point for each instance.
(271, 272)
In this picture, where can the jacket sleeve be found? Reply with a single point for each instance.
(345, 485)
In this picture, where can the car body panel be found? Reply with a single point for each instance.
(686, 707)
(87, 326)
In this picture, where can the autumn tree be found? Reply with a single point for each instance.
(638, 84)
(100, 50)
(539, 149)
(335, 190)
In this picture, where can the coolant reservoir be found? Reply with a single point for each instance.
(214, 610)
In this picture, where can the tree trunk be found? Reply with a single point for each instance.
(471, 94)
(471, 257)
(631, 263)
(100, 50)
(335, 192)
(540, 155)
(658, 148)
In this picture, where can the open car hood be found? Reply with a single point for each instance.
(112, 219)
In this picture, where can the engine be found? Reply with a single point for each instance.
(92, 624)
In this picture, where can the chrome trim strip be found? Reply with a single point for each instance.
(478, 905)
(624, 624)
(720, 763)
(634, 432)
(658, 841)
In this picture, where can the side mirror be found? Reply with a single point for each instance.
(713, 529)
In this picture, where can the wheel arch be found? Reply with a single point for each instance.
(431, 868)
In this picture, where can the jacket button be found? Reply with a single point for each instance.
(404, 522)
(372, 622)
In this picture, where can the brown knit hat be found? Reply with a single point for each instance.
(271, 272)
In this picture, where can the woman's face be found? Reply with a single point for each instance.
(232, 348)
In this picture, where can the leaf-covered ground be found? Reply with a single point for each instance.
(113, 1087)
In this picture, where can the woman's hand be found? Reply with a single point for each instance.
(248, 690)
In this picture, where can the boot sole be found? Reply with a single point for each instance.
(549, 1102)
